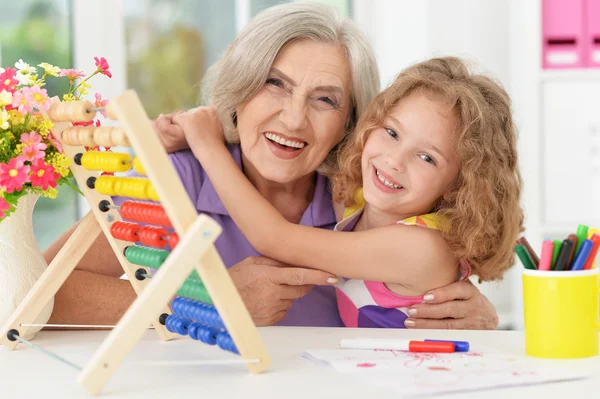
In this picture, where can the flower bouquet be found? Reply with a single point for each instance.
(31, 159)
(32, 164)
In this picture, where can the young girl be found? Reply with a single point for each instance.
(429, 180)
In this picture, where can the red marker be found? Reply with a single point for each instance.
(592, 257)
(398, 345)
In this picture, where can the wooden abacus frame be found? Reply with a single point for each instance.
(194, 251)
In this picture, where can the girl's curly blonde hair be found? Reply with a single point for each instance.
(483, 212)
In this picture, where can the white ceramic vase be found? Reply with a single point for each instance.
(21, 262)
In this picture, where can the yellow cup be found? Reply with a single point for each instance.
(561, 313)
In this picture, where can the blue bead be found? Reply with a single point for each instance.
(193, 330)
(226, 343)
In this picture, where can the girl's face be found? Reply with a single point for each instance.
(289, 127)
(410, 162)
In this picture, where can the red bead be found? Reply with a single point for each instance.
(173, 240)
(125, 231)
(145, 213)
(153, 236)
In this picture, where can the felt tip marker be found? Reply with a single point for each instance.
(398, 345)
(460, 346)
(546, 259)
(590, 262)
(582, 256)
(524, 257)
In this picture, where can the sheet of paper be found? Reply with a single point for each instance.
(423, 374)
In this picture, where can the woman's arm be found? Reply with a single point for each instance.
(395, 254)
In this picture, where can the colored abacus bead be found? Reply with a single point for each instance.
(106, 185)
(143, 256)
(106, 161)
(153, 236)
(152, 194)
(138, 167)
(125, 231)
(206, 334)
(145, 213)
(226, 343)
(173, 240)
(194, 289)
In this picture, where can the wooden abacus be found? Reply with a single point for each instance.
(193, 268)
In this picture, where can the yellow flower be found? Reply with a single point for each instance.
(44, 127)
(16, 118)
(60, 162)
(69, 97)
(4, 118)
(83, 88)
(50, 193)
(5, 98)
(19, 148)
(50, 70)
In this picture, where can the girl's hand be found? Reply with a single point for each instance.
(201, 127)
(170, 135)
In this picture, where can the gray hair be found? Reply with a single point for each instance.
(244, 67)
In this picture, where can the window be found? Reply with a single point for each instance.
(170, 44)
(342, 5)
(40, 31)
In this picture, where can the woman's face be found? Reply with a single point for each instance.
(289, 127)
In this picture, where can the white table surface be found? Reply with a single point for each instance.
(27, 373)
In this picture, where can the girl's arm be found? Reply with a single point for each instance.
(411, 256)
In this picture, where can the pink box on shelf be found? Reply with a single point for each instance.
(593, 32)
(563, 34)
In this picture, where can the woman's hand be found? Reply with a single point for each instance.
(170, 135)
(201, 127)
(269, 288)
(458, 306)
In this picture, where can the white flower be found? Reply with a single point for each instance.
(2, 70)
(50, 70)
(4, 116)
(24, 67)
(24, 79)
(5, 98)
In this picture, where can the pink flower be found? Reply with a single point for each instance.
(43, 175)
(72, 73)
(102, 65)
(8, 81)
(101, 103)
(4, 206)
(33, 152)
(13, 175)
(34, 147)
(21, 100)
(30, 138)
(39, 97)
(55, 142)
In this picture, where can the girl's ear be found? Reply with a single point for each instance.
(451, 194)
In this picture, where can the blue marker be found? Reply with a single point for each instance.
(460, 346)
(583, 255)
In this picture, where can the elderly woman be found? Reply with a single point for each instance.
(287, 91)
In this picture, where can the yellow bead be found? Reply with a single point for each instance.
(137, 165)
(106, 161)
(106, 185)
(152, 194)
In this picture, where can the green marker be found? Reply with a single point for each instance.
(524, 256)
(557, 245)
(582, 231)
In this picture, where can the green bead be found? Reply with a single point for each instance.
(143, 256)
(194, 289)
